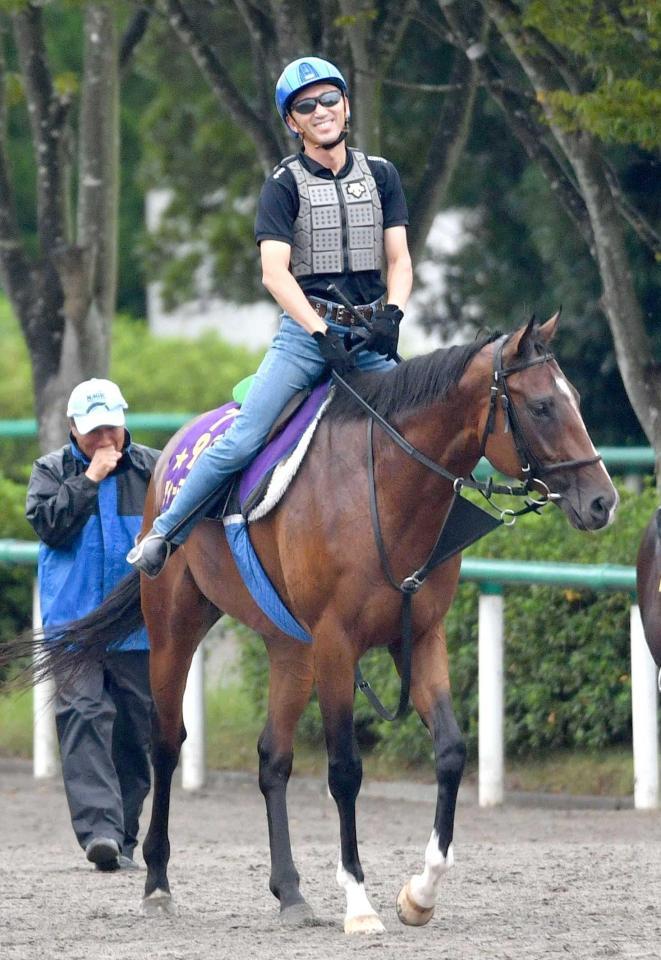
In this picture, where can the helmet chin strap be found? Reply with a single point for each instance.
(329, 146)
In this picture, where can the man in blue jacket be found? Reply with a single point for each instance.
(85, 502)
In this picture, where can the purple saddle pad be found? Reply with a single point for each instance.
(211, 426)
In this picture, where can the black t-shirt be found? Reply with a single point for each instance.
(277, 211)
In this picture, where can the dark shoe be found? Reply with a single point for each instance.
(128, 863)
(104, 853)
(150, 555)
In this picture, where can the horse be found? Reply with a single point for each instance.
(648, 582)
(502, 396)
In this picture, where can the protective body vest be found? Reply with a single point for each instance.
(339, 227)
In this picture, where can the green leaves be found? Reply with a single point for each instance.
(624, 111)
(15, 581)
(614, 51)
(67, 84)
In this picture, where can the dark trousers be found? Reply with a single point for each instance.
(103, 723)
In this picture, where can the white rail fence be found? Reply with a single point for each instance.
(491, 575)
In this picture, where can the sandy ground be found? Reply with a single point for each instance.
(529, 882)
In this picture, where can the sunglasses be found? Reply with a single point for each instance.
(309, 104)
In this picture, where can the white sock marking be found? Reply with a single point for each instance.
(358, 904)
(424, 886)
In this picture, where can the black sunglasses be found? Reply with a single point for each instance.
(309, 104)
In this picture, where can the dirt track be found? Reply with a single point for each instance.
(531, 883)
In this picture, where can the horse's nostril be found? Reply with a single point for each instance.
(599, 509)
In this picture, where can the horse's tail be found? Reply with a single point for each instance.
(69, 647)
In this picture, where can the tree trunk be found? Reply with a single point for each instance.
(445, 152)
(98, 191)
(87, 270)
(633, 347)
(365, 91)
(65, 297)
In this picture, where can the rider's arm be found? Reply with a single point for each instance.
(283, 287)
(399, 271)
(58, 508)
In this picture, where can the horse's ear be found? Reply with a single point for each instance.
(521, 343)
(547, 330)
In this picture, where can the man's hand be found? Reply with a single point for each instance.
(333, 350)
(103, 462)
(384, 335)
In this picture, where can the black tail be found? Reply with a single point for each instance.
(69, 647)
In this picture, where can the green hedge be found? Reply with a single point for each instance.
(567, 651)
(15, 581)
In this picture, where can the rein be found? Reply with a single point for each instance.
(462, 512)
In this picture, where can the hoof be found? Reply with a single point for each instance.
(367, 923)
(158, 904)
(298, 914)
(408, 910)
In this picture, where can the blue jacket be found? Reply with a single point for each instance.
(86, 529)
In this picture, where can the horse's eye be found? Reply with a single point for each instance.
(542, 409)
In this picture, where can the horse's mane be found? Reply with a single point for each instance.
(411, 384)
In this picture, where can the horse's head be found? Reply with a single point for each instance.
(537, 423)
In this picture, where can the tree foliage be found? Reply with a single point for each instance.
(619, 45)
(61, 278)
(537, 118)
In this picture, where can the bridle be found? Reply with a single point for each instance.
(531, 467)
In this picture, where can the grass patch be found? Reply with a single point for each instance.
(607, 773)
(232, 732)
(16, 724)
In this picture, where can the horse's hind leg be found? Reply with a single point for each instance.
(430, 692)
(335, 685)
(290, 686)
(177, 617)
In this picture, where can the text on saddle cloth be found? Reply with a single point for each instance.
(211, 426)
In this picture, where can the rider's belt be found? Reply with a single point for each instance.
(340, 314)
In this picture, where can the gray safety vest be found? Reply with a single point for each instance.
(339, 228)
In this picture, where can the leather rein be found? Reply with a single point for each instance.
(531, 468)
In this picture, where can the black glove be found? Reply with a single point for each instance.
(384, 335)
(333, 350)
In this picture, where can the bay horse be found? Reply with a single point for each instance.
(648, 582)
(504, 397)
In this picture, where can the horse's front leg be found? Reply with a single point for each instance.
(335, 686)
(430, 692)
(290, 685)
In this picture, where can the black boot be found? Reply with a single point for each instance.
(151, 554)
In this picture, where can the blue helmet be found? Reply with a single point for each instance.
(303, 73)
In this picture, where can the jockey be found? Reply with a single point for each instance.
(327, 214)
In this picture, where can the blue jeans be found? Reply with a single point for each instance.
(292, 363)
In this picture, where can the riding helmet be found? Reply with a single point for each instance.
(303, 73)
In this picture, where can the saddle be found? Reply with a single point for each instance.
(252, 483)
